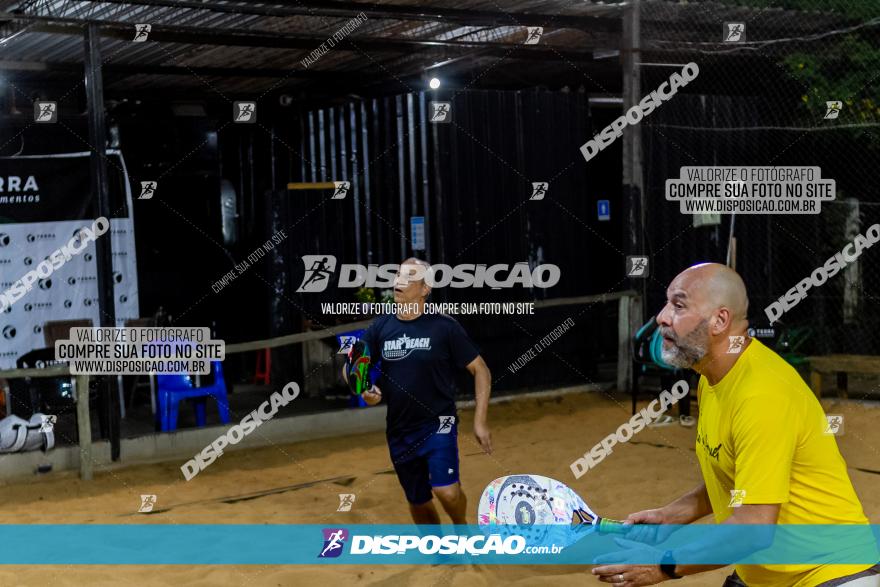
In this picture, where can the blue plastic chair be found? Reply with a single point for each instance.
(172, 389)
(648, 345)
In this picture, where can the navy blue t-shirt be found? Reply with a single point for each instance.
(419, 359)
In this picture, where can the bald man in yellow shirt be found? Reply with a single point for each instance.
(761, 442)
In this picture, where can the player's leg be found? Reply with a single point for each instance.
(413, 477)
(442, 459)
(454, 501)
(424, 513)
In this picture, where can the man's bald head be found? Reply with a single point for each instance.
(712, 286)
(706, 304)
(416, 261)
(411, 282)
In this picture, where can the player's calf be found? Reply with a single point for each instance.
(424, 513)
(454, 501)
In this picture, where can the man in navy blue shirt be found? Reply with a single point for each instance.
(419, 356)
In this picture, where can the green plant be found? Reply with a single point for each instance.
(365, 295)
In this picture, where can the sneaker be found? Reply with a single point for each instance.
(665, 420)
(687, 421)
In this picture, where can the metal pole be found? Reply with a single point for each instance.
(633, 195)
(633, 181)
(424, 129)
(401, 179)
(103, 252)
(365, 160)
(355, 180)
(731, 244)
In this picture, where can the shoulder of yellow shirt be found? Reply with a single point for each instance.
(767, 377)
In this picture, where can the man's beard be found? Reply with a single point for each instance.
(686, 351)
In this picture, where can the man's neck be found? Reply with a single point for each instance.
(719, 362)
(411, 310)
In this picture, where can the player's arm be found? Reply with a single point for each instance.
(729, 540)
(726, 541)
(765, 432)
(482, 390)
(687, 509)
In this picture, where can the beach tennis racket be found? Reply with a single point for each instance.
(543, 503)
(358, 366)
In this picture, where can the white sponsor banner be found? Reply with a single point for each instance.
(71, 291)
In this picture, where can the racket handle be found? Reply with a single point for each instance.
(609, 526)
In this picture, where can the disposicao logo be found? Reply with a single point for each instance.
(334, 541)
(320, 268)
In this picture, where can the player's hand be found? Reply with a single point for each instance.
(483, 436)
(642, 532)
(372, 396)
(630, 575)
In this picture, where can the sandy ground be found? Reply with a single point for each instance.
(530, 436)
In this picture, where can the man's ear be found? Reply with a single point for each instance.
(724, 315)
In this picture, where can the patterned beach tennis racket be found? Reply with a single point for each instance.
(359, 368)
(540, 502)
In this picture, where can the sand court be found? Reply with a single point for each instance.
(300, 484)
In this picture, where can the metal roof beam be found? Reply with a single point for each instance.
(248, 38)
(116, 69)
(600, 18)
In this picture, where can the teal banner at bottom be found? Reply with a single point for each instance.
(277, 544)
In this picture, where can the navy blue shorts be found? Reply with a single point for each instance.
(424, 459)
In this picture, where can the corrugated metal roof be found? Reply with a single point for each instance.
(665, 26)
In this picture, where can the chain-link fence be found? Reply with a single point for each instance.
(760, 100)
(763, 101)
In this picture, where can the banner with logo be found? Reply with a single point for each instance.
(46, 208)
(294, 544)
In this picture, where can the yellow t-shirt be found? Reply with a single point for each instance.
(761, 432)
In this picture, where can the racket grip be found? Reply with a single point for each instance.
(609, 526)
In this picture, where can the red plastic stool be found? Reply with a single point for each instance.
(264, 366)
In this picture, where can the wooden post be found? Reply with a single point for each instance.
(84, 427)
(622, 337)
(628, 323)
(852, 278)
(628, 318)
